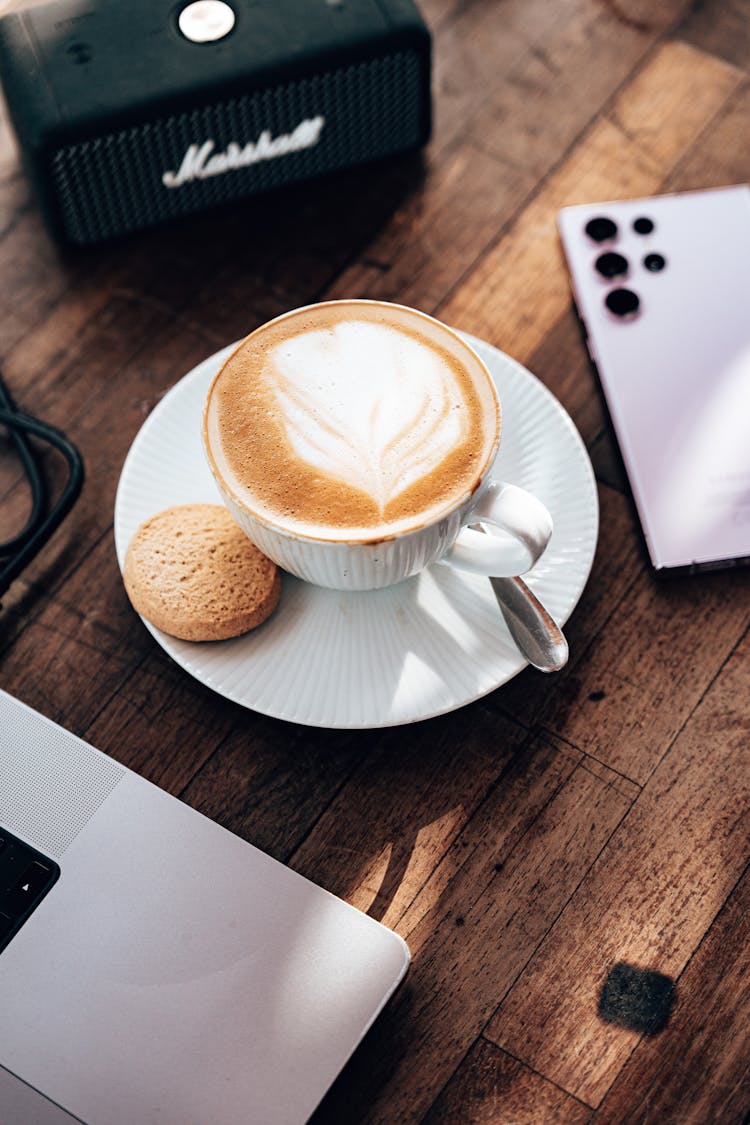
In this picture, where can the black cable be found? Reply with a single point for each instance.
(33, 475)
(42, 523)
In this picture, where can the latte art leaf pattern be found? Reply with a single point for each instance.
(368, 405)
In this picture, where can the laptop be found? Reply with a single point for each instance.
(153, 966)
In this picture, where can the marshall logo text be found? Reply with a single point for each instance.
(198, 163)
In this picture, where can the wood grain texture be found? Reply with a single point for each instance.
(380, 861)
(642, 675)
(627, 152)
(491, 1086)
(547, 77)
(648, 900)
(472, 925)
(618, 566)
(721, 27)
(271, 785)
(699, 1068)
(71, 658)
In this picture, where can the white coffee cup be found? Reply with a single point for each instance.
(286, 429)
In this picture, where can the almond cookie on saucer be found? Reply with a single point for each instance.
(192, 572)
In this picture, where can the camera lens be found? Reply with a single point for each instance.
(601, 229)
(611, 264)
(643, 225)
(654, 262)
(622, 302)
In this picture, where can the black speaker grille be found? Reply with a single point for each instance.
(113, 183)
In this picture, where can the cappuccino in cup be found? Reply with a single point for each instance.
(353, 440)
(351, 420)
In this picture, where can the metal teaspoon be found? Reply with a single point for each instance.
(537, 636)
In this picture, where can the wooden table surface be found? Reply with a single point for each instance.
(530, 842)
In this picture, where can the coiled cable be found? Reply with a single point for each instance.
(44, 519)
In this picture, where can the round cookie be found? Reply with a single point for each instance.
(192, 572)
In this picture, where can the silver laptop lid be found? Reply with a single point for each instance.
(172, 972)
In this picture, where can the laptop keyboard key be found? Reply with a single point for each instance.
(6, 925)
(32, 882)
(25, 878)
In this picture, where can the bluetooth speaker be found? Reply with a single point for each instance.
(131, 114)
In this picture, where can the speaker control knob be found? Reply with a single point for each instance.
(205, 21)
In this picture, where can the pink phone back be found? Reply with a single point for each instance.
(676, 375)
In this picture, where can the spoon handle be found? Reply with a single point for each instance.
(537, 636)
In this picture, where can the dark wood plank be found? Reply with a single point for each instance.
(35, 278)
(101, 405)
(480, 45)
(561, 361)
(642, 675)
(289, 247)
(379, 861)
(484, 907)
(72, 658)
(270, 781)
(492, 1086)
(618, 566)
(698, 1069)
(648, 900)
(152, 725)
(721, 27)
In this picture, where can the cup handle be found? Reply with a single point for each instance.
(525, 526)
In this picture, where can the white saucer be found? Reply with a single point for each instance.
(419, 649)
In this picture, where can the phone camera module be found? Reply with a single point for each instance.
(643, 225)
(622, 302)
(654, 263)
(611, 265)
(601, 229)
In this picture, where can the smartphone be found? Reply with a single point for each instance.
(662, 288)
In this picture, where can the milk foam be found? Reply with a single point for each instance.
(351, 420)
(367, 404)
